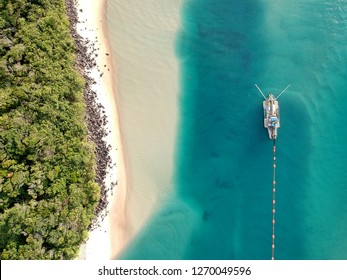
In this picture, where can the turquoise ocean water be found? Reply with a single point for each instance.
(221, 204)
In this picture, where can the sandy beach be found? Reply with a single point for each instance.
(92, 26)
(137, 79)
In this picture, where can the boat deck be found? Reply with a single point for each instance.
(271, 116)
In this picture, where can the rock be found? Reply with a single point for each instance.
(95, 115)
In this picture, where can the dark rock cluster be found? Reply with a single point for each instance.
(86, 52)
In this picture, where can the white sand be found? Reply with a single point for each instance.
(142, 37)
(143, 87)
(98, 245)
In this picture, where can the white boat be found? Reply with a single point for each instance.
(271, 113)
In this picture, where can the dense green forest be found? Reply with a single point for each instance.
(47, 167)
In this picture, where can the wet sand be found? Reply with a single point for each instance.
(142, 36)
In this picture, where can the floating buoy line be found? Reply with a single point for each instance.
(272, 123)
(273, 201)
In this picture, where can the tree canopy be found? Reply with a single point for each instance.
(47, 166)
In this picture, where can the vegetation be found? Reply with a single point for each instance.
(47, 168)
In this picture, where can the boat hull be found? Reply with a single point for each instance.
(271, 116)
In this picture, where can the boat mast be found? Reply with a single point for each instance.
(260, 91)
(282, 92)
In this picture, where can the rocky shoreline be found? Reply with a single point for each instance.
(86, 53)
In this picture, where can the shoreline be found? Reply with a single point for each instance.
(142, 40)
(144, 173)
(117, 209)
(93, 58)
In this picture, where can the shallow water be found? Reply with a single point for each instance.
(221, 204)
